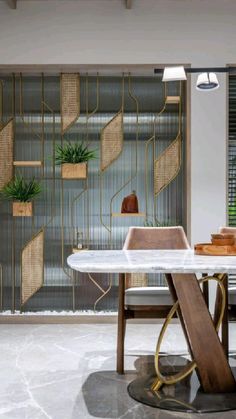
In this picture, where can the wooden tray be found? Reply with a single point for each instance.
(209, 249)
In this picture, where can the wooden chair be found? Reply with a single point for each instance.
(136, 299)
(231, 298)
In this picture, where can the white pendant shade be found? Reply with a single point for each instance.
(207, 81)
(174, 74)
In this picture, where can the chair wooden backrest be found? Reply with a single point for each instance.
(140, 238)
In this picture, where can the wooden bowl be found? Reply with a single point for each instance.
(223, 239)
(222, 236)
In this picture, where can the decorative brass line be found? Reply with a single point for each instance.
(89, 115)
(108, 228)
(76, 198)
(172, 379)
(104, 292)
(132, 177)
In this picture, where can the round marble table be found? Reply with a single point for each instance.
(216, 383)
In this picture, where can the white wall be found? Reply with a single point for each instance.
(154, 31)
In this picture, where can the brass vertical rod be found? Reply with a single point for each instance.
(87, 179)
(13, 251)
(154, 148)
(148, 142)
(122, 110)
(1, 103)
(13, 266)
(21, 96)
(13, 95)
(73, 290)
(62, 233)
(53, 195)
(43, 127)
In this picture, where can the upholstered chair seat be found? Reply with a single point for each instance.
(148, 296)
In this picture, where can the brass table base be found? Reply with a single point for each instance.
(184, 396)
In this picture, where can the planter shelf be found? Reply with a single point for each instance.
(128, 214)
(22, 209)
(172, 100)
(27, 163)
(74, 171)
(76, 250)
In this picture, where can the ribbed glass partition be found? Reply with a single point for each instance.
(67, 208)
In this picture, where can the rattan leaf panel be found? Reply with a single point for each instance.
(70, 100)
(6, 153)
(167, 166)
(112, 137)
(32, 267)
(136, 280)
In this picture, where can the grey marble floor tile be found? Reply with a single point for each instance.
(68, 371)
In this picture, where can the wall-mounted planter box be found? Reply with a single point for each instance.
(74, 171)
(22, 209)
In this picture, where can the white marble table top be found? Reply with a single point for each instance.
(150, 261)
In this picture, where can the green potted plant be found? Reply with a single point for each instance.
(73, 159)
(21, 192)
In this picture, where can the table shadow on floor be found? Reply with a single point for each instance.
(106, 396)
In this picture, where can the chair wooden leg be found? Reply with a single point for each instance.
(205, 291)
(121, 326)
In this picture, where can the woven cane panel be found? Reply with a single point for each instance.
(167, 166)
(32, 267)
(111, 141)
(6, 153)
(70, 100)
(136, 280)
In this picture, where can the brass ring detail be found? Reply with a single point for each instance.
(172, 379)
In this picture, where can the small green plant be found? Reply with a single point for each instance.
(73, 153)
(18, 189)
(157, 223)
